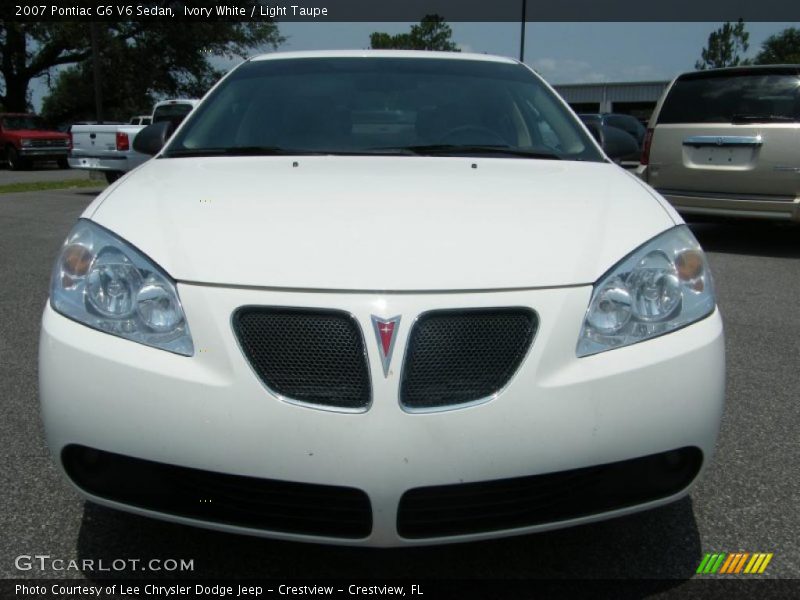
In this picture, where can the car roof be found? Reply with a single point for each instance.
(384, 54)
(740, 70)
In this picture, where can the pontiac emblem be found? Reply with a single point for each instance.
(385, 330)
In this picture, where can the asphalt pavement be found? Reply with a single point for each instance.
(41, 171)
(748, 501)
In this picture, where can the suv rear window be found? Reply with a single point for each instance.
(733, 98)
(171, 112)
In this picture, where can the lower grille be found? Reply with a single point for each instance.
(306, 355)
(461, 356)
(49, 143)
(525, 501)
(265, 504)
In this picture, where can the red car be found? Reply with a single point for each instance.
(25, 138)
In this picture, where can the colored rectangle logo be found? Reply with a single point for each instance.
(734, 563)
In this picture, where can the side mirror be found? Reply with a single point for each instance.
(618, 144)
(152, 138)
(596, 130)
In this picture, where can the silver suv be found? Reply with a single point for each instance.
(726, 142)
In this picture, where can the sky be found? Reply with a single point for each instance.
(560, 52)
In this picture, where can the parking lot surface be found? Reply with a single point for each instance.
(747, 501)
(43, 172)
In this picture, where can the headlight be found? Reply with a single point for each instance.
(25, 142)
(103, 282)
(662, 286)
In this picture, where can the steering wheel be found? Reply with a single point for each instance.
(472, 134)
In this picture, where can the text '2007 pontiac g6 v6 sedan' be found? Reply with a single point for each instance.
(381, 298)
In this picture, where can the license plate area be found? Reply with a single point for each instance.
(89, 163)
(719, 157)
(735, 152)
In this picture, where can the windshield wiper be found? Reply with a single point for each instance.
(461, 149)
(240, 151)
(425, 150)
(762, 119)
(280, 151)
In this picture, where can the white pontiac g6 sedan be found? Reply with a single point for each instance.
(382, 299)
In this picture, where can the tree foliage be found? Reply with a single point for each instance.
(128, 86)
(726, 46)
(432, 33)
(781, 48)
(30, 50)
(140, 60)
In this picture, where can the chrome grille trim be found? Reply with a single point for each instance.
(514, 365)
(285, 395)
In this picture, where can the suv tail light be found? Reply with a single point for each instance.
(648, 140)
(122, 141)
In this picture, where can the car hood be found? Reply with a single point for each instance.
(381, 223)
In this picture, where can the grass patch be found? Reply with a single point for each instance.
(36, 186)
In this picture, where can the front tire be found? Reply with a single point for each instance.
(15, 161)
(112, 176)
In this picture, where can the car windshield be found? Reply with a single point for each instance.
(722, 97)
(383, 105)
(24, 122)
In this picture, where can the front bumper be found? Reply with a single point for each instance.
(211, 412)
(52, 153)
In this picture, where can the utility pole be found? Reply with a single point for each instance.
(98, 75)
(522, 33)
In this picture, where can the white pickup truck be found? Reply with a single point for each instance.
(108, 149)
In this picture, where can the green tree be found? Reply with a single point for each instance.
(725, 47)
(127, 87)
(30, 50)
(432, 33)
(384, 41)
(781, 48)
(167, 57)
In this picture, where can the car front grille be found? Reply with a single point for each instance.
(468, 508)
(460, 356)
(306, 355)
(265, 504)
(49, 143)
